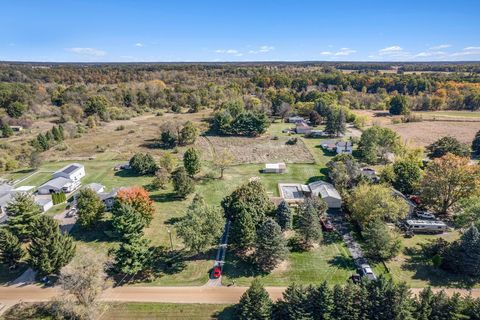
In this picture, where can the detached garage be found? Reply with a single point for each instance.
(327, 192)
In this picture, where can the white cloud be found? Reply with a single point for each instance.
(439, 47)
(230, 52)
(340, 52)
(89, 52)
(390, 50)
(139, 44)
(264, 49)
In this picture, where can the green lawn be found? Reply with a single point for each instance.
(411, 267)
(329, 262)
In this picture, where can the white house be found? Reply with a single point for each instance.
(302, 128)
(344, 147)
(97, 187)
(275, 168)
(74, 172)
(44, 203)
(327, 192)
(58, 184)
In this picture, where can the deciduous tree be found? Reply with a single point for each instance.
(139, 199)
(89, 208)
(447, 145)
(191, 161)
(447, 180)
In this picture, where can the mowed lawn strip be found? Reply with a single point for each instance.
(168, 311)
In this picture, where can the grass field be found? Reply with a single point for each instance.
(453, 115)
(411, 267)
(329, 262)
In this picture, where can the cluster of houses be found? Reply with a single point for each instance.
(66, 180)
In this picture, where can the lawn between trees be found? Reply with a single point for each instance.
(319, 264)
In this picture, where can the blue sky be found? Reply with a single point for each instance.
(176, 30)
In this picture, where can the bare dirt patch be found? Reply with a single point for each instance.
(255, 150)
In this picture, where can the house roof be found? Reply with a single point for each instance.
(302, 125)
(324, 189)
(343, 144)
(5, 198)
(95, 186)
(68, 169)
(24, 189)
(56, 183)
(4, 188)
(107, 195)
(42, 201)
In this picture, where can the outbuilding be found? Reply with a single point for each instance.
(344, 147)
(302, 128)
(275, 168)
(327, 192)
(59, 184)
(74, 172)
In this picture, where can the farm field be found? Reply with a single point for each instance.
(423, 133)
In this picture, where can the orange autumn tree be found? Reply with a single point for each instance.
(139, 199)
(447, 180)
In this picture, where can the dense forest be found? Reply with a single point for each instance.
(78, 96)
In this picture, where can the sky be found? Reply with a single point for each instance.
(206, 30)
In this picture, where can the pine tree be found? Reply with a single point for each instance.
(380, 244)
(284, 216)
(191, 161)
(132, 256)
(127, 222)
(423, 304)
(309, 223)
(22, 212)
(321, 302)
(182, 183)
(347, 302)
(296, 303)
(270, 246)
(243, 232)
(90, 208)
(11, 251)
(49, 250)
(61, 133)
(56, 134)
(255, 303)
(469, 252)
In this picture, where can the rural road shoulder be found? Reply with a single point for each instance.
(226, 295)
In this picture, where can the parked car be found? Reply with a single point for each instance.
(424, 215)
(217, 272)
(327, 225)
(355, 278)
(71, 213)
(415, 199)
(366, 271)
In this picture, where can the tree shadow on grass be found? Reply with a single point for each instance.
(165, 197)
(126, 173)
(227, 313)
(101, 232)
(173, 220)
(342, 262)
(235, 267)
(424, 269)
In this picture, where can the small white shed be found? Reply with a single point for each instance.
(280, 167)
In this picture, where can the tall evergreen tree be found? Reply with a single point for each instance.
(22, 212)
(255, 303)
(127, 222)
(380, 244)
(49, 250)
(284, 216)
(309, 227)
(295, 304)
(423, 304)
(243, 232)
(270, 246)
(182, 183)
(11, 251)
(347, 302)
(191, 161)
(132, 256)
(321, 302)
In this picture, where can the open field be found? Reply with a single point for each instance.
(411, 267)
(168, 311)
(329, 262)
(423, 133)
